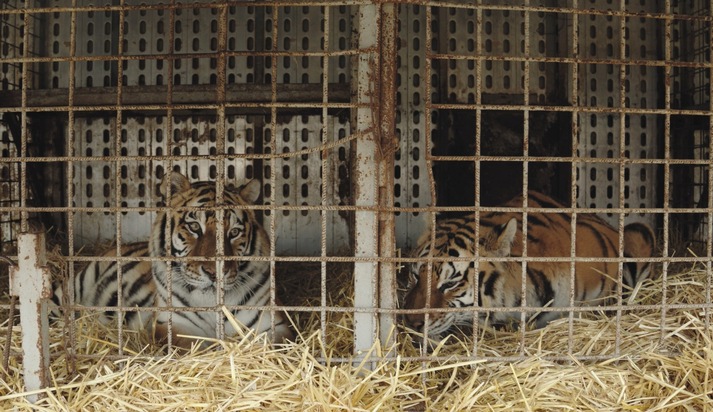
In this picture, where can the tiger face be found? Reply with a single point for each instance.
(190, 229)
(194, 234)
(452, 282)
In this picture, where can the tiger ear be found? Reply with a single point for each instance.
(505, 238)
(251, 191)
(177, 182)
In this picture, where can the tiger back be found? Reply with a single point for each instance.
(499, 282)
(97, 284)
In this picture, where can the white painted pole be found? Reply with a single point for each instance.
(30, 282)
(366, 244)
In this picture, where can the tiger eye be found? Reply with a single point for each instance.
(194, 227)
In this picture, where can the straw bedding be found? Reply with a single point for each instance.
(655, 370)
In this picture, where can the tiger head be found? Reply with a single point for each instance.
(193, 234)
(452, 282)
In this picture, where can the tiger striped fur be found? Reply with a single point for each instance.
(499, 283)
(193, 278)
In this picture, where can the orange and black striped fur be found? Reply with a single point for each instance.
(188, 230)
(498, 283)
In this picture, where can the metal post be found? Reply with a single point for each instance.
(30, 282)
(366, 244)
(389, 144)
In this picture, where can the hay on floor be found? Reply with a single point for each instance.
(665, 363)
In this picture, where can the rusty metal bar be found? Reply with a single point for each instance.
(273, 46)
(575, 165)
(326, 180)
(450, 4)
(119, 48)
(182, 95)
(668, 39)
(30, 282)
(709, 229)
(69, 316)
(221, 137)
(388, 145)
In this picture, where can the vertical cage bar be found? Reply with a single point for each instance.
(326, 176)
(69, 187)
(575, 102)
(274, 161)
(366, 184)
(667, 169)
(622, 161)
(220, 176)
(388, 143)
(119, 48)
(431, 225)
(709, 227)
(476, 167)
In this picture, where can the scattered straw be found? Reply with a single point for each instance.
(653, 370)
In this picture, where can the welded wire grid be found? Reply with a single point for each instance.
(625, 54)
(106, 170)
(231, 85)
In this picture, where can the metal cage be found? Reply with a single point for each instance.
(361, 120)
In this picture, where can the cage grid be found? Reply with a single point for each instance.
(362, 122)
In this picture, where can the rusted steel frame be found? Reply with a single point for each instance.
(570, 60)
(117, 178)
(272, 229)
(571, 11)
(388, 144)
(325, 181)
(622, 182)
(220, 92)
(169, 148)
(51, 159)
(189, 5)
(147, 96)
(436, 3)
(709, 229)
(564, 259)
(668, 41)
(575, 165)
(584, 109)
(525, 179)
(396, 311)
(68, 284)
(367, 208)
(185, 56)
(428, 107)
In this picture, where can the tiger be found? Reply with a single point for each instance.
(187, 229)
(499, 282)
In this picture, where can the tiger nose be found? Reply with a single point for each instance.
(209, 270)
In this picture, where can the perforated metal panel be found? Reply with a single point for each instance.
(601, 134)
(411, 188)
(12, 46)
(250, 29)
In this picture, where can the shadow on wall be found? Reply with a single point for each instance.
(501, 135)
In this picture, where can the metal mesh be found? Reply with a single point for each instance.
(489, 100)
